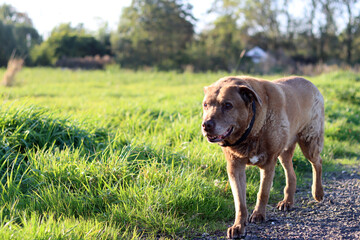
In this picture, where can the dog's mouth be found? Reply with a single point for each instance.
(219, 138)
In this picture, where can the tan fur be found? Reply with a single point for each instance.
(288, 111)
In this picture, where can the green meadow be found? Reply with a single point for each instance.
(118, 154)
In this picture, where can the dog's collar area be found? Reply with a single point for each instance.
(246, 133)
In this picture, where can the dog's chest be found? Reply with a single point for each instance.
(252, 153)
(257, 159)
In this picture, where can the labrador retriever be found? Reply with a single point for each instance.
(255, 122)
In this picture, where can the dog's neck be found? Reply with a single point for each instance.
(246, 133)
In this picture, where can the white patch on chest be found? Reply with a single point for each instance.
(254, 159)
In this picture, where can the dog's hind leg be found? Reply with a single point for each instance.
(290, 188)
(311, 150)
(317, 188)
(311, 141)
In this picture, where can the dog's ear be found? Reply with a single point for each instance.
(249, 95)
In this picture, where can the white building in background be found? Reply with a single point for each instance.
(257, 54)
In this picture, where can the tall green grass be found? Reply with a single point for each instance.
(118, 154)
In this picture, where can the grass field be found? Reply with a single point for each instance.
(118, 154)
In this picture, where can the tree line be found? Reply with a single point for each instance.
(161, 34)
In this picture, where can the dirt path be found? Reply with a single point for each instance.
(337, 217)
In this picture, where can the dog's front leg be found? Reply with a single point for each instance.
(266, 180)
(237, 179)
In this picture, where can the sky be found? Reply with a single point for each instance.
(47, 14)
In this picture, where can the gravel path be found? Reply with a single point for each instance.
(337, 217)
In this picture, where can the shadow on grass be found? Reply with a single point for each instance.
(31, 128)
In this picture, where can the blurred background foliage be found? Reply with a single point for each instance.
(162, 35)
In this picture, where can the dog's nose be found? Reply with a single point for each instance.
(208, 125)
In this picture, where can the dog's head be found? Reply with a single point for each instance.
(227, 111)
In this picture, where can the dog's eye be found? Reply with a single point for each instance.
(228, 106)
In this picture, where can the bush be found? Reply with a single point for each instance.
(66, 45)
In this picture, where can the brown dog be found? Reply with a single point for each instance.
(255, 122)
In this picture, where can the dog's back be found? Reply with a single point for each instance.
(304, 107)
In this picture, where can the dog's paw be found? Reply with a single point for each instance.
(237, 231)
(257, 217)
(284, 205)
(318, 194)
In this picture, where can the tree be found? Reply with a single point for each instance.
(103, 35)
(66, 41)
(154, 33)
(218, 48)
(9, 15)
(349, 32)
(327, 30)
(16, 34)
(7, 41)
(308, 36)
(254, 17)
